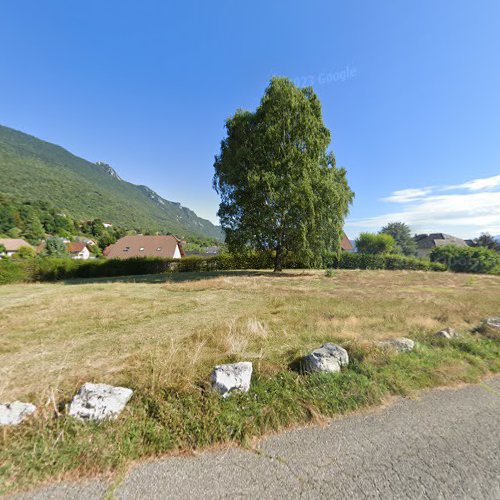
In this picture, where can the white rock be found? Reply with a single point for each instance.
(227, 378)
(448, 333)
(99, 402)
(401, 344)
(328, 358)
(14, 413)
(492, 322)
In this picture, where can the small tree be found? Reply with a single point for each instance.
(25, 253)
(372, 243)
(55, 247)
(2, 249)
(401, 233)
(487, 241)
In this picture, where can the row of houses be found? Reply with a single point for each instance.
(167, 246)
(76, 249)
(172, 247)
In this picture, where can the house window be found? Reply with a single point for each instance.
(158, 249)
(126, 249)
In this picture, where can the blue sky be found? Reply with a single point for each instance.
(410, 91)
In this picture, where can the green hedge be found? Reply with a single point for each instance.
(15, 271)
(348, 260)
(54, 269)
(467, 259)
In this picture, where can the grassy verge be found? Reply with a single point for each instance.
(165, 419)
(161, 335)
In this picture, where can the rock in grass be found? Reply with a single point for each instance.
(401, 344)
(99, 402)
(233, 377)
(492, 323)
(490, 328)
(14, 413)
(328, 358)
(448, 333)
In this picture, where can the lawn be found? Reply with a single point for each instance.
(162, 334)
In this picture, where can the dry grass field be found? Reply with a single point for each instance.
(161, 336)
(158, 330)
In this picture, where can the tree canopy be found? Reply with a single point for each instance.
(372, 243)
(401, 233)
(280, 188)
(487, 241)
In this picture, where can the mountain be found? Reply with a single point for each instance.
(32, 169)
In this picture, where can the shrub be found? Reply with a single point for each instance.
(467, 259)
(25, 252)
(12, 271)
(53, 269)
(348, 260)
(370, 243)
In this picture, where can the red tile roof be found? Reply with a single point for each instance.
(76, 247)
(143, 246)
(346, 243)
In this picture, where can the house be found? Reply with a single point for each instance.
(12, 245)
(427, 242)
(145, 246)
(78, 250)
(87, 241)
(211, 251)
(346, 244)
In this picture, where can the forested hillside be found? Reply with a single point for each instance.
(35, 170)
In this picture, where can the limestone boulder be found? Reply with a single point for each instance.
(490, 327)
(232, 377)
(99, 402)
(492, 323)
(328, 358)
(448, 333)
(14, 413)
(400, 344)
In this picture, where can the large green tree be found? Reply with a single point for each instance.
(401, 233)
(280, 188)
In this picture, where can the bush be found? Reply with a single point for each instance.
(467, 259)
(12, 271)
(25, 252)
(348, 260)
(370, 243)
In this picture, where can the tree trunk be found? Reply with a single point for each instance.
(278, 260)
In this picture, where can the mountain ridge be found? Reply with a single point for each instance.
(34, 169)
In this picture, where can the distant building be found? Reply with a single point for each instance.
(87, 241)
(12, 245)
(427, 242)
(78, 250)
(212, 250)
(145, 246)
(346, 244)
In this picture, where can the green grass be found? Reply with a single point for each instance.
(165, 419)
(161, 335)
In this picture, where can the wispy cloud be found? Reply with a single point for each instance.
(408, 195)
(433, 209)
(477, 184)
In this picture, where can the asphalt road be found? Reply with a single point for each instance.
(445, 444)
